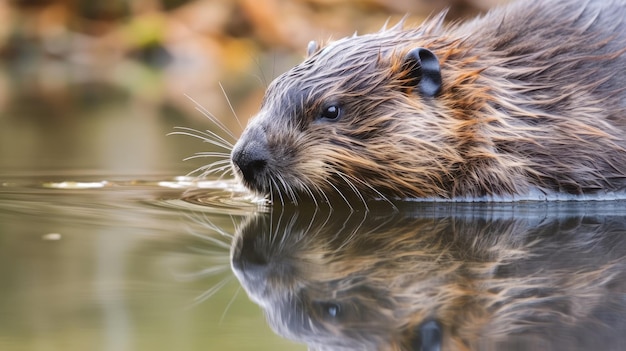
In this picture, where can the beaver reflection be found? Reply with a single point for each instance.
(545, 277)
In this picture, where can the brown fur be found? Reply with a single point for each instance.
(544, 278)
(533, 98)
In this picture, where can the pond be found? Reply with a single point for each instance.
(97, 249)
(107, 245)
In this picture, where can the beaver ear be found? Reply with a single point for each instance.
(312, 48)
(427, 337)
(425, 70)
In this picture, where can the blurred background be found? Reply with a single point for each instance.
(89, 91)
(93, 87)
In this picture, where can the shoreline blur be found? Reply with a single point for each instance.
(96, 86)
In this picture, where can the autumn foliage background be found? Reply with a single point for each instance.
(62, 61)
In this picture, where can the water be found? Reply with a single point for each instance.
(526, 276)
(105, 245)
(126, 266)
(97, 249)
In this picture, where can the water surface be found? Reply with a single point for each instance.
(97, 250)
(522, 276)
(106, 245)
(126, 266)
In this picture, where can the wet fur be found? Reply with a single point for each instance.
(539, 279)
(533, 98)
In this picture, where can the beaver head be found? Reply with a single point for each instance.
(340, 121)
(526, 100)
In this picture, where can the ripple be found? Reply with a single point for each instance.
(75, 185)
(187, 193)
(224, 197)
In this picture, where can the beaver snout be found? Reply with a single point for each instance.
(251, 159)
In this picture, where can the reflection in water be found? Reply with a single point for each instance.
(87, 264)
(480, 277)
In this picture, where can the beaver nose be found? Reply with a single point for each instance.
(251, 159)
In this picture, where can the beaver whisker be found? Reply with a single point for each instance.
(319, 190)
(382, 197)
(212, 118)
(290, 193)
(231, 106)
(340, 194)
(261, 78)
(209, 154)
(269, 186)
(288, 190)
(278, 182)
(354, 189)
(210, 166)
(208, 169)
(199, 169)
(225, 173)
(282, 200)
(308, 190)
(206, 136)
(296, 195)
(214, 139)
(225, 170)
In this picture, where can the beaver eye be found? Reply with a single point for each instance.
(329, 310)
(331, 113)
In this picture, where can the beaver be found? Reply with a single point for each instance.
(527, 277)
(526, 101)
